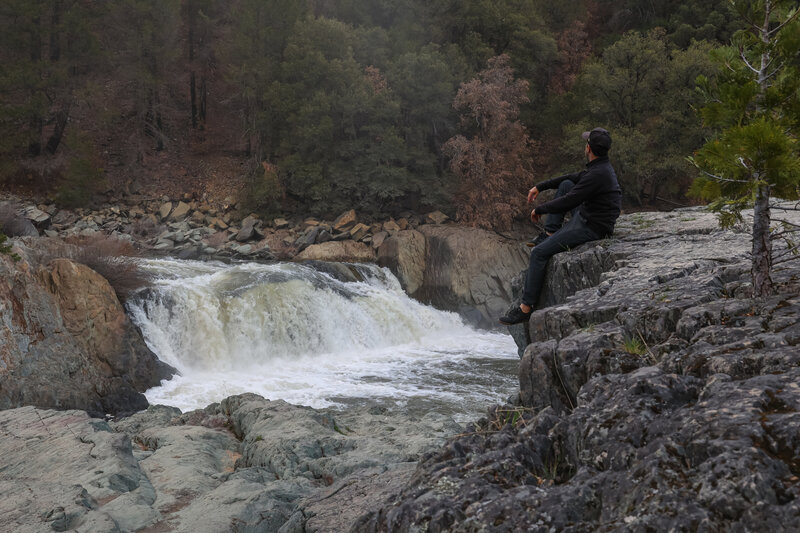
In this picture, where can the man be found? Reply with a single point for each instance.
(594, 197)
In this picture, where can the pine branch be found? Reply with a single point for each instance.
(784, 23)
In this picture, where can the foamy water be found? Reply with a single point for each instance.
(289, 331)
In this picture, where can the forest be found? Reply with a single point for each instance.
(377, 105)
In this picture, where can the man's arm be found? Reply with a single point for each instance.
(581, 192)
(555, 182)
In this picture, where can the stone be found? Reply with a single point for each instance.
(65, 341)
(38, 218)
(346, 251)
(244, 249)
(345, 221)
(359, 231)
(466, 270)
(403, 223)
(180, 211)
(436, 217)
(219, 223)
(280, 223)
(378, 238)
(404, 254)
(245, 234)
(390, 226)
(164, 210)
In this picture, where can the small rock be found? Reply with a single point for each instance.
(164, 210)
(38, 218)
(244, 249)
(280, 223)
(310, 222)
(245, 234)
(378, 238)
(345, 221)
(359, 231)
(390, 226)
(180, 211)
(436, 217)
(403, 223)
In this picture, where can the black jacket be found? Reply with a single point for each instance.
(597, 192)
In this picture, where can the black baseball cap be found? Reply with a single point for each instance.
(599, 140)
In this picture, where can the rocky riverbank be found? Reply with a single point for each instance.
(451, 267)
(658, 397)
(246, 464)
(655, 394)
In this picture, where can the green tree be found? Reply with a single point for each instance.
(754, 106)
(47, 50)
(642, 89)
(341, 145)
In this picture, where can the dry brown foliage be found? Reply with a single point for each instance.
(112, 258)
(495, 165)
(574, 48)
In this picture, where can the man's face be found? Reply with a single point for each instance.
(586, 151)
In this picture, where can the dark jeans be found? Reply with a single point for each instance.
(575, 233)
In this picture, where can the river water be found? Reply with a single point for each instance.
(317, 335)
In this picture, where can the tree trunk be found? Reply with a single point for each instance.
(193, 97)
(62, 116)
(762, 244)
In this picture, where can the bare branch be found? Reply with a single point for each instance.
(747, 62)
(720, 178)
(784, 23)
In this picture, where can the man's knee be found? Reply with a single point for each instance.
(564, 187)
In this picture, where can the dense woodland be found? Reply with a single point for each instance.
(381, 105)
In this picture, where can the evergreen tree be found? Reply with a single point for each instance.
(754, 105)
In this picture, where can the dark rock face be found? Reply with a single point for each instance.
(66, 343)
(466, 270)
(655, 395)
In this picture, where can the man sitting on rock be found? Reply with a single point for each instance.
(594, 197)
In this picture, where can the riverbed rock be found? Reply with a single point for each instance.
(456, 268)
(345, 221)
(346, 251)
(65, 341)
(659, 396)
(245, 464)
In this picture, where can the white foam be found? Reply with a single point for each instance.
(286, 331)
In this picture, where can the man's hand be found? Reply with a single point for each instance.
(535, 217)
(532, 194)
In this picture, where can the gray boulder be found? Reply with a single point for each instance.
(65, 341)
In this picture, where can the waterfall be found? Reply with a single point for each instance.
(308, 333)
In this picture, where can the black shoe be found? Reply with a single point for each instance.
(516, 316)
(538, 240)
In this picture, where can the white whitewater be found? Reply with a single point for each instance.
(289, 331)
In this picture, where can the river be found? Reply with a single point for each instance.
(321, 335)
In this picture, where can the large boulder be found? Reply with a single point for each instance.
(456, 268)
(66, 343)
(345, 251)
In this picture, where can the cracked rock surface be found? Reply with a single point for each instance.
(655, 395)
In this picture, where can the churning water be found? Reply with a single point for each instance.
(319, 335)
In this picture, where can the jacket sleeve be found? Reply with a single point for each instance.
(581, 192)
(555, 182)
